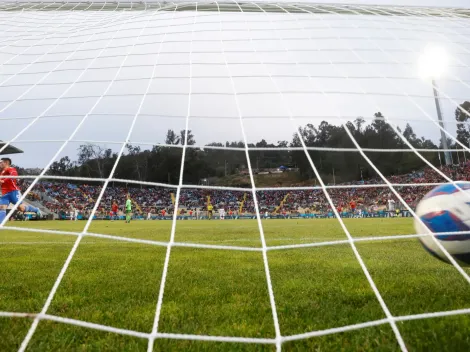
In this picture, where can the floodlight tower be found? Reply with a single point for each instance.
(433, 64)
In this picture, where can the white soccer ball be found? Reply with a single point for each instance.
(446, 209)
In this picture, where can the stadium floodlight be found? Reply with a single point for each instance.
(433, 63)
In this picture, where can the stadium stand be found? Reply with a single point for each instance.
(55, 197)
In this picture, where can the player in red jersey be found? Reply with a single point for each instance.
(352, 205)
(114, 211)
(11, 191)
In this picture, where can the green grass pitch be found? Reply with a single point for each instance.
(224, 292)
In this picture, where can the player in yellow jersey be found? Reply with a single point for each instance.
(210, 209)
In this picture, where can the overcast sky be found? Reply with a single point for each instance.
(438, 3)
(310, 67)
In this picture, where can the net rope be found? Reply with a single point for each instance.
(106, 15)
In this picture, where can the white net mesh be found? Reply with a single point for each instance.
(121, 74)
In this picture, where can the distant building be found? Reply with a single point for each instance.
(33, 171)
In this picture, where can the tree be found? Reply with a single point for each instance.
(324, 142)
(190, 140)
(298, 157)
(171, 138)
(462, 115)
(93, 159)
(62, 167)
(136, 162)
(359, 122)
(132, 150)
(164, 164)
(410, 135)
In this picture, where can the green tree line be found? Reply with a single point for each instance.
(161, 163)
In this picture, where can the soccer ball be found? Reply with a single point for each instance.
(446, 209)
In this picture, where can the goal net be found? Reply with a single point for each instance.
(312, 130)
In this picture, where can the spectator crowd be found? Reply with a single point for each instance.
(370, 195)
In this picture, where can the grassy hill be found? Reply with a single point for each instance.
(285, 179)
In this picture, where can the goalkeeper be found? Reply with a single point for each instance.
(128, 209)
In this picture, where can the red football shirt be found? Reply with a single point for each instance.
(9, 184)
(114, 208)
